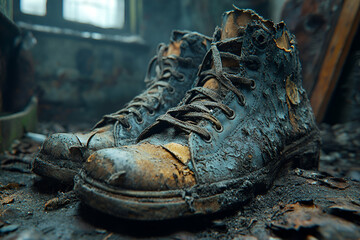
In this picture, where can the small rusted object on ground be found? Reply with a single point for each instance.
(7, 200)
(11, 186)
(323, 179)
(61, 201)
(306, 220)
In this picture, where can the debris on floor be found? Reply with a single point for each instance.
(304, 204)
(305, 220)
(60, 201)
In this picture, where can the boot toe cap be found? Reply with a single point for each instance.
(58, 145)
(143, 167)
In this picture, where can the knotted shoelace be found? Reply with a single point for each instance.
(200, 102)
(152, 97)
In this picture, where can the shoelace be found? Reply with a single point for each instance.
(200, 102)
(152, 97)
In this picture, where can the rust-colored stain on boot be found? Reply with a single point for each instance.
(132, 166)
(165, 166)
(283, 42)
(235, 22)
(212, 84)
(292, 99)
(182, 153)
(173, 49)
(292, 91)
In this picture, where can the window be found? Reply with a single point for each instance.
(82, 17)
(105, 13)
(33, 7)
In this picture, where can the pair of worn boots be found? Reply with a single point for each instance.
(243, 118)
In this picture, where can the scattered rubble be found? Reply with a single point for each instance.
(61, 201)
(304, 204)
(305, 220)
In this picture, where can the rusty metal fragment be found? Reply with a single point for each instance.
(11, 186)
(308, 221)
(347, 211)
(61, 201)
(323, 179)
(7, 200)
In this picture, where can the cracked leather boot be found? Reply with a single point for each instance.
(247, 120)
(170, 74)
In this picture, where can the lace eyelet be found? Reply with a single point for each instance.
(171, 90)
(232, 116)
(182, 78)
(219, 130)
(139, 121)
(253, 85)
(151, 113)
(260, 38)
(208, 140)
(128, 127)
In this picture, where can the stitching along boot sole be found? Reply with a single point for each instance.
(200, 199)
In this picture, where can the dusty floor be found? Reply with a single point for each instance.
(300, 205)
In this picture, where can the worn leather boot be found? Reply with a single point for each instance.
(170, 74)
(247, 120)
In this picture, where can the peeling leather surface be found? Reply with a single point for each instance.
(139, 164)
(253, 145)
(283, 42)
(306, 219)
(182, 153)
(292, 91)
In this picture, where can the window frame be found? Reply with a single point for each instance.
(54, 18)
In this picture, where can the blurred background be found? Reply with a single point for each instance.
(87, 58)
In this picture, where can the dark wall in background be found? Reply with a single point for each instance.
(80, 80)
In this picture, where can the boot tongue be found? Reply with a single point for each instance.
(173, 49)
(176, 40)
(234, 23)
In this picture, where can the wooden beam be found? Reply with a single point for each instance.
(335, 57)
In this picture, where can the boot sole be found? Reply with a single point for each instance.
(200, 199)
(60, 174)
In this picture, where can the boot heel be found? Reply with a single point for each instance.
(304, 153)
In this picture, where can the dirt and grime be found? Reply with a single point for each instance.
(303, 204)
